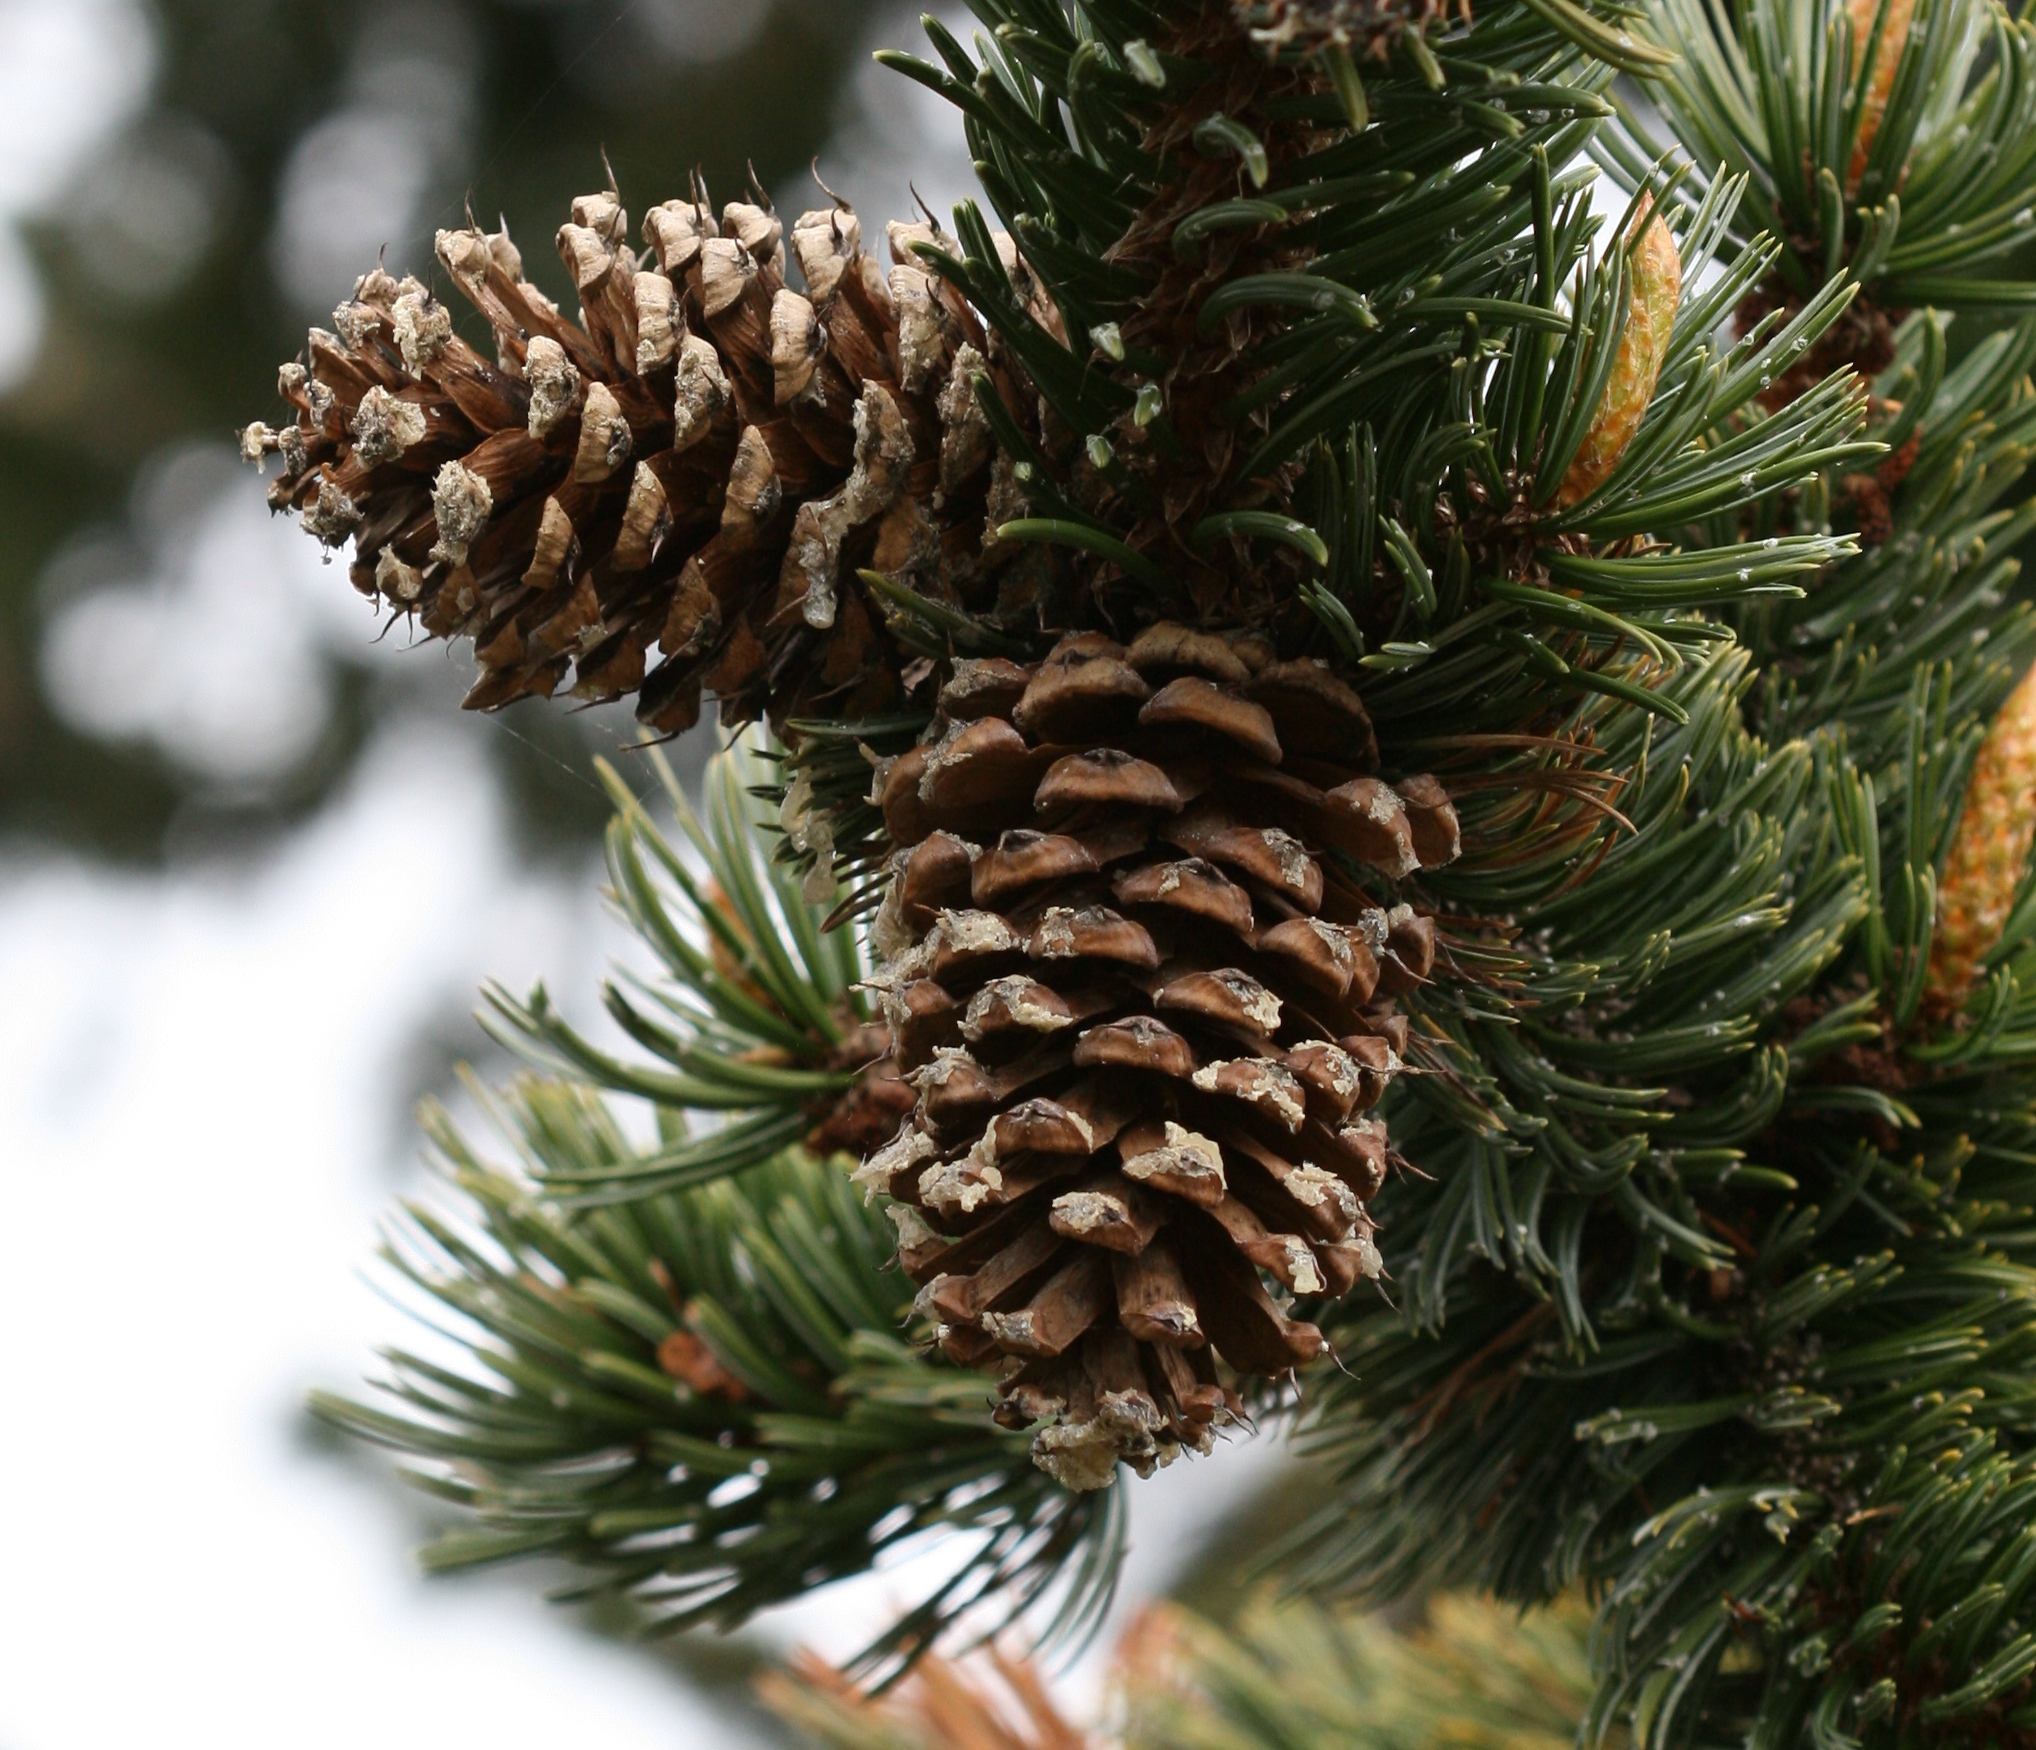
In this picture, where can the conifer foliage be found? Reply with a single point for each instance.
(1349, 716)
(1473, 1674)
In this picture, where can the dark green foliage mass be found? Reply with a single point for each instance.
(1721, 1299)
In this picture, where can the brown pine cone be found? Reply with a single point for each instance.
(701, 463)
(867, 1115)
(1146, 1021)
(1368, 26)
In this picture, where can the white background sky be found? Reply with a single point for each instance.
(201, 1075)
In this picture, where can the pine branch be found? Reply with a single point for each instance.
(758, 1016)
(1472, 1673)
(702, 1397)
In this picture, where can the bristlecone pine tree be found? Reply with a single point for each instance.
(1356, 704)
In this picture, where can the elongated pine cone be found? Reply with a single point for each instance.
(700, 464)
(1146, 1020)
(1636, 368)
(1989, 857)
(1894, 17)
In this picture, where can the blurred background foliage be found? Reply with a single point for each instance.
(218, 175)
(1461, 1673)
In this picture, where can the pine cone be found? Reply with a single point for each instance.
(1368, 26)
(1145, 1021)
(1989, 856)
(702, 463)
(868, 1113)
(1887, 60)
(1643, 345)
